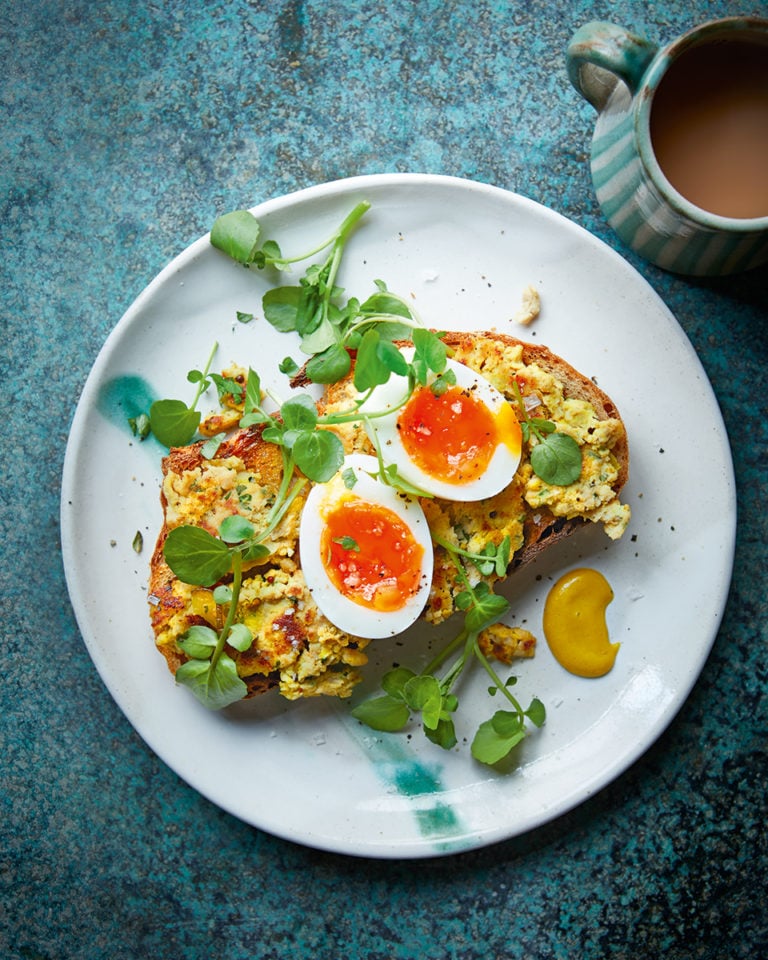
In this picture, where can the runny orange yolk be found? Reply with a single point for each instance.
(452, 437)
(370, 555)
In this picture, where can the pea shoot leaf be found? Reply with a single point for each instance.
(322, 336)
(430, 354)
(271, 254)
(237, 234)
(536, 712)
(373, 365)
(239, 637)
(557, 459)
(281, 307)
(486, 608)
(255, 552)
(319, 454)
(382, 713)
(216, 685)
(329, 366)
(347, 543)
(235, 529)
(173, 422)
(495, 738)
(384, 303)
(196, 556)
(199, 642)
(423, 694)
(393, 682)
(211, 446)
(299, 413)
(443, 734)
(226, 386)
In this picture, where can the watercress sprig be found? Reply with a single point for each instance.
(492, 558)
(431, 696)
(199, 558)
(238, 234)
(174, 422)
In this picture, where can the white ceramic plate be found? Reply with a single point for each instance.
(306, 771)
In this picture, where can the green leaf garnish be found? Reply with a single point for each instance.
(555, 457)
(239, 637)
(393, 682)
(199, 642)
(175, 423)
(235, 529)
(429, 694)
(288, 366)
(237, 234)
(423, 693)
(495, 738)
(210, 448)
(383, 713)
(281, 307)
(347, 543)
(196, 556)
(329, 366)
(299, 413)
(215, 683)
(319, 454)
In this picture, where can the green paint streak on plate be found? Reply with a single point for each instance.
(437, 821)
(124, 398)
(413, 779)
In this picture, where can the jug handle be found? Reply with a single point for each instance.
(600, 54)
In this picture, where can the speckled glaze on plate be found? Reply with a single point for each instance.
(306, 771)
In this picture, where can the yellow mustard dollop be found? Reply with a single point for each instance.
(575, 626)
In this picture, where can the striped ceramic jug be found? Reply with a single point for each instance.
(619, 73)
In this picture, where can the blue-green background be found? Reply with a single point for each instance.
(126, 128)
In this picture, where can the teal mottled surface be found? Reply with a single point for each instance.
(126, 128)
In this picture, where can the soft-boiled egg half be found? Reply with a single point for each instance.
(366, 551)
(462, 443)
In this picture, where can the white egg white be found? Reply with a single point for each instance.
(383, 431)
(344, 613)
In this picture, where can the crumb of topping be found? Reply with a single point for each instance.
(505, 643)
(530, 307)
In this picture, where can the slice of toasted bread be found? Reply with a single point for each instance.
(543, 526)
(296, 648)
